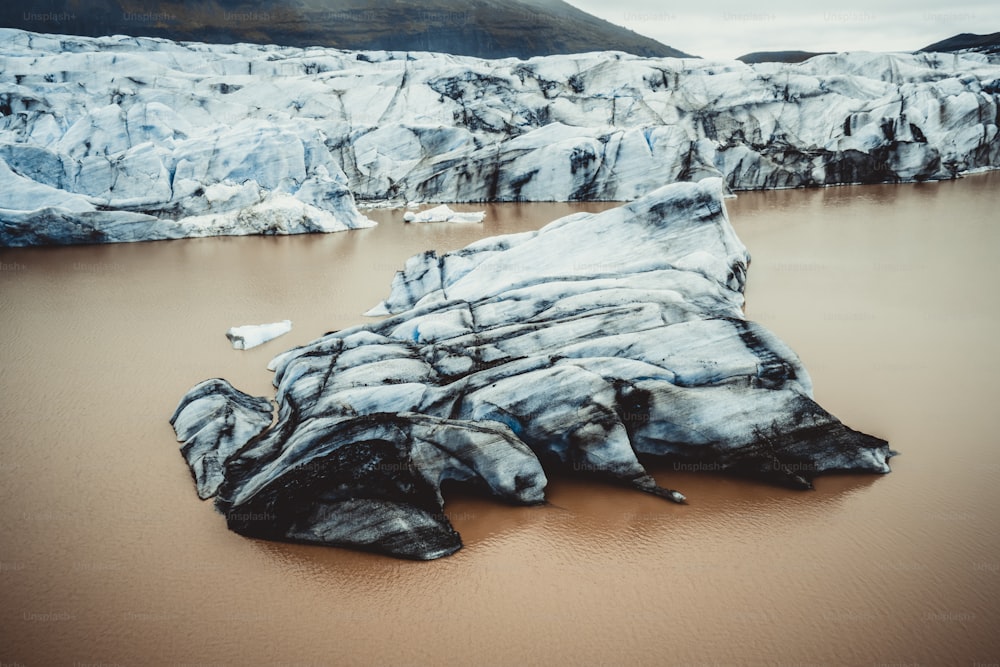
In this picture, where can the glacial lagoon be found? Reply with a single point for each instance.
(885, 292)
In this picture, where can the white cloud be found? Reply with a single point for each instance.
(729, 28)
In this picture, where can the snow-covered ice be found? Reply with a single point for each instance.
(119, 138)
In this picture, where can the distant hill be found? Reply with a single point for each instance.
(779, 56)
(989, 44)
(967, 42)
(481, 28)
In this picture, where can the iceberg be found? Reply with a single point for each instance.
(252, 335)
(443, 213)
(120, 139)
(590, 346)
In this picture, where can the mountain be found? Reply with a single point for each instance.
(481, 28)
(779, 56)
(967, 42)
(989, 44)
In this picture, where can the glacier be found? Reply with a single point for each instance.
(590, 346)
(124, 139)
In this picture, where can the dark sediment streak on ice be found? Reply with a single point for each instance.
(596, 341)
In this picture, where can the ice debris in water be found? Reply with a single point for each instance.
(443, 213)
(252, 335)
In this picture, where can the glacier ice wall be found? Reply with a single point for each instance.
(120, 138)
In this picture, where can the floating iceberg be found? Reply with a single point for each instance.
(252, 335)
(598, 341)
(443, 213)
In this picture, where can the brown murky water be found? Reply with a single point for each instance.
(108, 557)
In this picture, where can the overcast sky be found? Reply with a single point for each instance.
(729, 28)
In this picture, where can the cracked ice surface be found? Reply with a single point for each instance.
(586, 346)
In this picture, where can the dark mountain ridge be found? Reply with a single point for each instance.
(988, 44)
(481, 28)
(967, 42)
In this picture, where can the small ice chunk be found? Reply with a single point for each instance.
(252, 335)
(443, 214)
